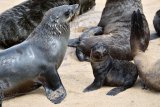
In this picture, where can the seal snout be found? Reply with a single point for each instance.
(99, 52)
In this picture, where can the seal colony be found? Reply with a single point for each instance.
(110, 72)
(34, 62)
(114, 31)
(156, 22)
(18, 22)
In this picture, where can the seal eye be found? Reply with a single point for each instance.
(67, 13)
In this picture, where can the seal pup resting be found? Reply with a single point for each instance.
(34, 63)
(114, 30)
(156, 22)
(110, 72)
(17, 23)
(148, 64)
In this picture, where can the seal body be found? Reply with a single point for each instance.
(34, 62)
(110, 72)
(148, 65)
(18, 22)
(156, 22)
(116, 30)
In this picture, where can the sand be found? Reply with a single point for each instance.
(77, 75)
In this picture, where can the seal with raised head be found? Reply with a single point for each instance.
(110, 72)
(156, 22)
(148, 64)
(114, 30)
(18, 22)
(34, 62)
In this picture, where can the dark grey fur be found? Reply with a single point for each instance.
(34, 62)
(110, 72)
(156, 22)
(115, 24)
(18, 22)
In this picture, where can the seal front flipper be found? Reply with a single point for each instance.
(140, 33)
(81, 57)
(94, 86)
(54, 88)
(116, 91)
(93, 31)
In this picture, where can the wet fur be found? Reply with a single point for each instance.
(34, 62)
(116, 24)
(18, 22)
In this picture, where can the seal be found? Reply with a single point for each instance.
(114, 30)
(34, 62)
(18, 22)
(110, 72)
(156, 22)
(148, 65)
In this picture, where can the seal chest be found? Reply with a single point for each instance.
(34, 62)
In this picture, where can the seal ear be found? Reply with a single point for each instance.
(73, 42)
(140, 34)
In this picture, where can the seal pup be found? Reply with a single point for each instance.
(18, 22)
(116, 29)
(34, 62)
(156, 22)
(110, 72)
(148, 65)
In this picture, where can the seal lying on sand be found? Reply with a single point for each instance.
(18, 22)
(148, 65)
(110, 72)
(115, 24)
(156, 22)
(34, 62)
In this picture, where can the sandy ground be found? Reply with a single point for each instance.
(77, 75)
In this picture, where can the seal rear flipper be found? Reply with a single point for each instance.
(140, 33)
(53, 86)
(116, 91)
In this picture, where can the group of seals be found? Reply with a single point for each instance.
(34, 62)
(18, 22)
(114, 30)
(110, 72)
(156, 22)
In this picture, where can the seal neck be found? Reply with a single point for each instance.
(102, 66)
(47, 31)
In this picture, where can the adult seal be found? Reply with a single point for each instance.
(34, 62)
(110, 72)
(156, 22)
(114, 30)
(148, 64)
(18, 22)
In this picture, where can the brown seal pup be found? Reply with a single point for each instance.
(116, 30)
(34, 63)
(156, 22)
(148, 65)
(18, 22)
(110, 72)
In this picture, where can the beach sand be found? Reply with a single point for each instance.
(77, 75)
